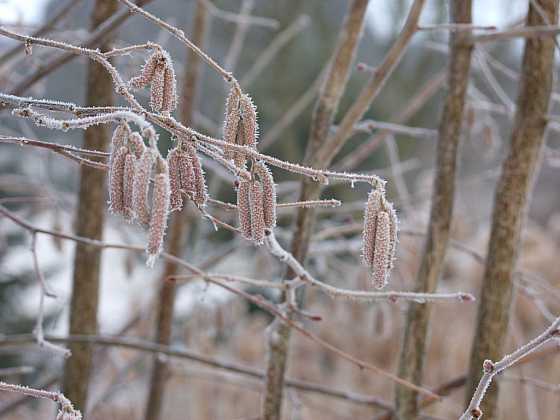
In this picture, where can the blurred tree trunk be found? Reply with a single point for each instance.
(331, 91)
(89, 223)
(413, 349)
(512, 196)
(178, 228)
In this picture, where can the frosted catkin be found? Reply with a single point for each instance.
(116, 174)
(175, 197)
(137, 143)
(169, 101)
(158, 220)
(119, 139)
(373, 206)
(380, 264)
(231, 123)
(157, 87)
(141, 186)
(269, 194)
(257, 212)
(200, 194)
(244, 208)
(393, 236)
(128, 184)
(148, 71)
(249, 121)
(186, 173)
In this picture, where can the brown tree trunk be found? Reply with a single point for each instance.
(89, 223)
(323, 115)
(178, 228)
(512, 195)
(413, 348)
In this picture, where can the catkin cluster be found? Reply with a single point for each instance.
(379, 237)
(131, 165)
(158, 72)
(256, 204)
(240, 125)
(186, 176)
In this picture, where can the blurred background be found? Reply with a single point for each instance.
(279, 63)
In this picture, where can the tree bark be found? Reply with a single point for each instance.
(413, 349)
(511, 198)
(89, 223)
(278, 336)
(178, 228)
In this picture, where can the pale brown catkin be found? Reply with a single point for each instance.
(257, 212)
(157, 87)
(169, 102)
(128, 184)
(231, 123)
(249, 121)
(186, 173)
(199, 192)
(148, 70)
(269, 194)
(175, 197)
(373, 206)
(137, 143)
(393, 235)
(141, 186)
(160, 212)
(244, 208)
(119, 139)
(380, 264)
(116, 173)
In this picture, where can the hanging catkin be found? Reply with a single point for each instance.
(232, 119)
(175, 196)
(269, 194)
(119, 139)
(148, 70)
(128, 184)
(157, 88)
(379, 237)
(135, 139)
(240, 126)
(169, 102)
(379, 272)
(257, 212)
(244, 208)
(198, 191)
(116, 174)
(141, 186)
(373, 206)
(160, 212)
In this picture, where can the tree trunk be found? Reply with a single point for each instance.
(278, 335)
(178, 228)
(89, 223)
(512, 195)
(413, 348)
